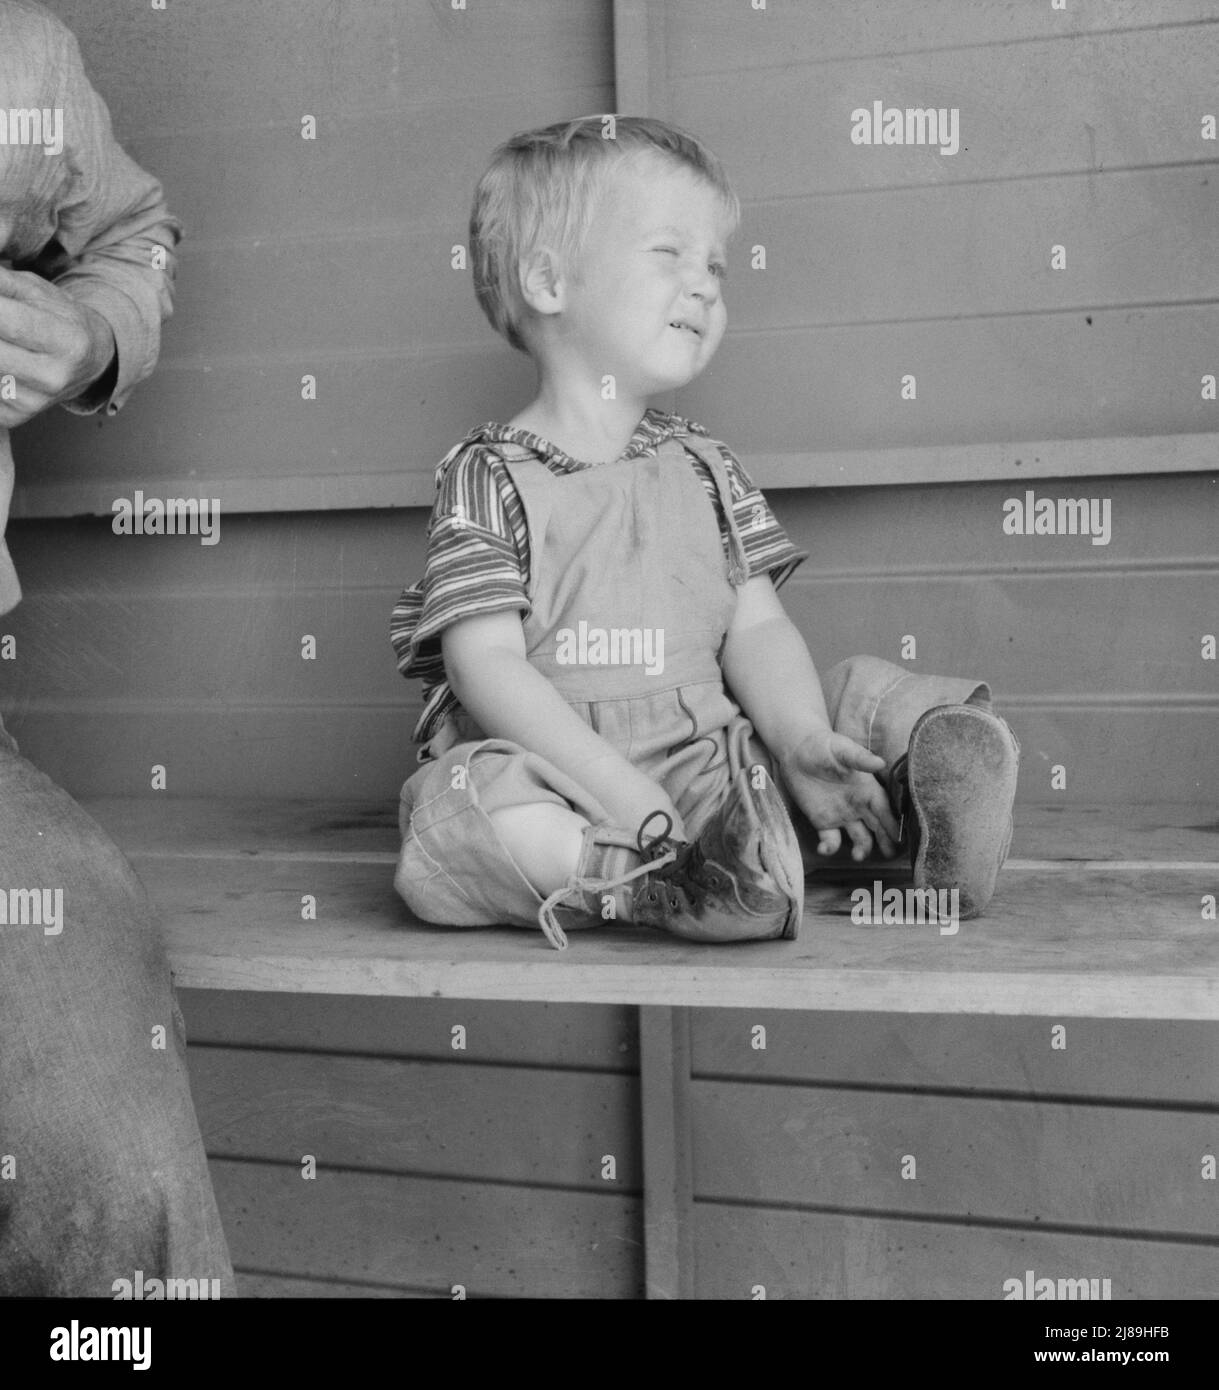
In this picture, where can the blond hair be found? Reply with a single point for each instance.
(541, 189)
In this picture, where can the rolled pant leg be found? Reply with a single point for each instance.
(877, 703)
(453, 868)
(102, 1168)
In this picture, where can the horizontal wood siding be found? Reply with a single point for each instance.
(891, 259)
(427, 1234)
(742, 1252)
(435, 1166)
(1114, 1167)
(1076, 1154)
(140, 650)
(555, 1036)
(332, 257)
(524, 1126)
(329, 257)
(1083, 1160)
(1134, 1060)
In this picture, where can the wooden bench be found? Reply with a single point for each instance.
(1099, 914)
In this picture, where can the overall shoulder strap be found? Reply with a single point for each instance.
(707, 450)
(534, 484)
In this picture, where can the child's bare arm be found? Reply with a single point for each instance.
(769, 670)
(485, 661)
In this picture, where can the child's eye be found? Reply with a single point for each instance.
(719, 270)
(670, 250)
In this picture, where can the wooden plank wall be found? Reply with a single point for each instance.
(1080, 1155)
(189, 656)
(890, 259)
(332, 257)
(880, 260)
(1076, 1155)
(483, 1166)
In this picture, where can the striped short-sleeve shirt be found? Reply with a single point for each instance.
(478, 541)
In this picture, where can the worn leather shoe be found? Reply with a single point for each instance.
(742, 879)
(954, 790)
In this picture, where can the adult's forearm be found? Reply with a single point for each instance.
(118, 238)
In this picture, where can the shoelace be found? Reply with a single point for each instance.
(689, 874)
(659, 851)
(900, 777)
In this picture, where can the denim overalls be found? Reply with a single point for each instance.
(633, 548)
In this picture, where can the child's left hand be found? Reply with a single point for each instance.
(831, 778)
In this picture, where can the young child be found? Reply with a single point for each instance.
(621, 722)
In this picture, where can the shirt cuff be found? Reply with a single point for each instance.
(782, 570)
(135, 347)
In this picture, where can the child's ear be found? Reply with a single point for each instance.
(542, 283)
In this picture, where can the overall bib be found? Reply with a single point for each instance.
(631, 548)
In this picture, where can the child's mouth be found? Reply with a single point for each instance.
(685, 327)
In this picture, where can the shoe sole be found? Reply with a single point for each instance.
(962, 770)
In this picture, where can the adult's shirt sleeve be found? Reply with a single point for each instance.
(768, 548)
(114, 242)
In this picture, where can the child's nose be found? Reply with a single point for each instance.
(703, 284)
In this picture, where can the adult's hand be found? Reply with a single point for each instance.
(52, 348)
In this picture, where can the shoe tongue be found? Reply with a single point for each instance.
(751, 856)
(898, 787)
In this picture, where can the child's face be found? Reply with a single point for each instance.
(645, 302)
